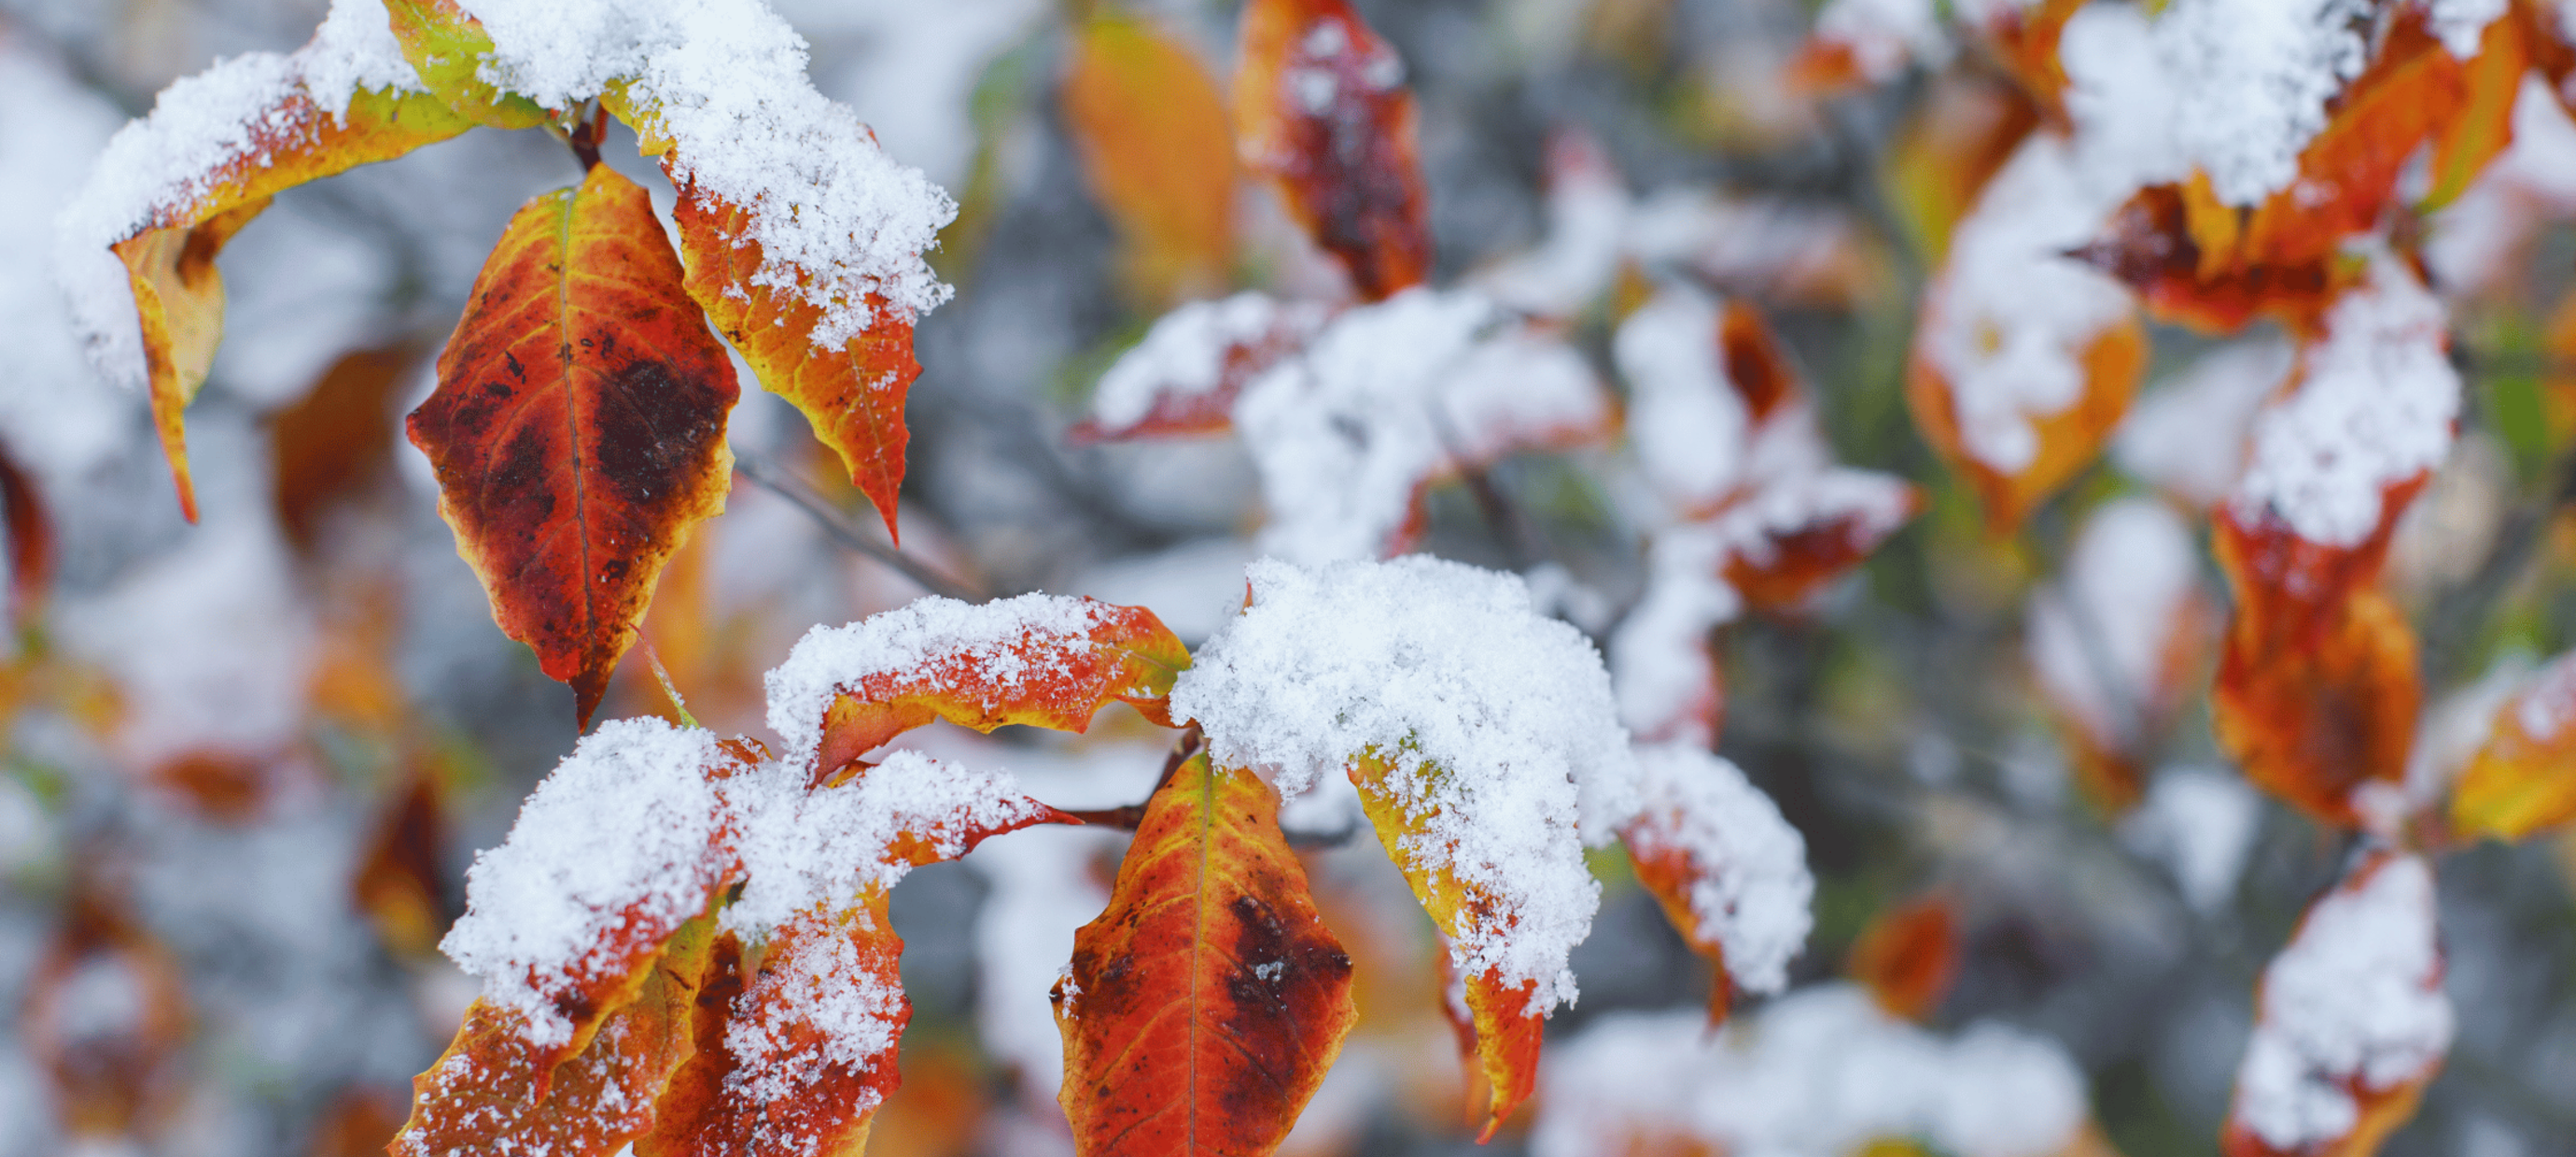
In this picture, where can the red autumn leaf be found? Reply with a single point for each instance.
(1037, 660)
(1157, 149)
(1908, 957)
(497, 1090)
(2151, 246)
(2351, 1020)
(1799, 534)
(2311, 717)
(2466, 141)
(2523, 779)
(1204, 1006)
(1729, 872)
(180, 223)
(578, 426)
(2024, 41)
(1321, 109)
(2348, 172)
(106, 1019)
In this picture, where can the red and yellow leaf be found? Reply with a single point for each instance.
(2024, 41)
(495, 1091)
(2311, 717)
(1158, 151)
(170, 260)
(2524, 779)
(1321, 109)
(1205, 1005)
(2153, 244)
(578, 427)
(448, 48)
(2465, 142)
(1908, 957)
(1505, 1029)
(2348, 173)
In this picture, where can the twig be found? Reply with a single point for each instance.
(767, 476)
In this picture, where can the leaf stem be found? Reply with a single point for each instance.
(766, 475)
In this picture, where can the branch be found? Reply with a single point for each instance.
(766, 475)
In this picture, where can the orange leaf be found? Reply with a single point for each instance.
(2524, 778)
(2067, 440)
(2464, 142)
(498, 1091)
(1204, 1006)
(795, 1052)
(1037, 660)
(402, 883)
(1804, 533)
(336, 439)
(578, 426)
(31, 543)
(2348, 173)
(1505, 1027)
(2311, 719)
(360, 1121)
(1908, 957)
(169, 254)
(1157, 149)
(2352, 1022)
(1321, 109)
(1725, 867)
(2024, 41)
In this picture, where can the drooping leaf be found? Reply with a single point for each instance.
(339, 437)
(1157, 150)
(578, 426)
(168, 244)
(2524, 778)
(1037, 660)
(31, 543)
(498, 1090)
(1204, 1006)
(1730, 873)
(1321, 109)
(2351, 1023)
(1908, 956)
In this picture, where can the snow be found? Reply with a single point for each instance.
(154, 170)
(617, 846)
(2374, 407)
(1817, 1073)
(2121, 99)
(1883, 34)
(1497, 724)
(1045, 886)
(2189, 437)
(2547, 706)
(2354, 1001)
(1587, 214)
(1199, 351)
(823, 1004)
(2011, 318)
(1193, 587)
(2199, 823)
(2459, 23)
(1754, 891)
(1659, 656)
(2254, 77)
(2100, 638)
(991, 643)
(1687, 420)
(1387, 398)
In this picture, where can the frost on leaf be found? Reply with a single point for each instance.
(1822, 1070)
(1321, 109)
(2523, 779)
(1040, 660)
(2115, 640)
(1202, 1009)
(2025, 358)
(578, 427)
(1729, 871)
(1394, 396)
(172, 188)
(1477, 732)
(1157, 149)
(1184, 376)
(2351, 1019)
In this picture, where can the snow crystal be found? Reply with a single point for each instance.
(996, 640)
(619, 839)
(2100, 637)
(1688, 421)
(2374, 407)
(823, 1004)
(156, 168)
(1187, 353)
(836, 219)
(1489, 716)
(2254, 77)
(2189, 438)
(2012, 317)
(2355, 999)
(1755, 892)
(1818, 1073)
(1882, 34)
(1390, 396)
(801, 848)
(2199, 823)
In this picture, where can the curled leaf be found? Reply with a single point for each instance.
(1729, 872)
(578, 426)
(1203, 1008)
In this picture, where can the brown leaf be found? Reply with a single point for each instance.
(1204, 1006)
(336, 439)
(1908, 957)
(578, 426)
(402, 884)
(1157, 149)
(1321, 109)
